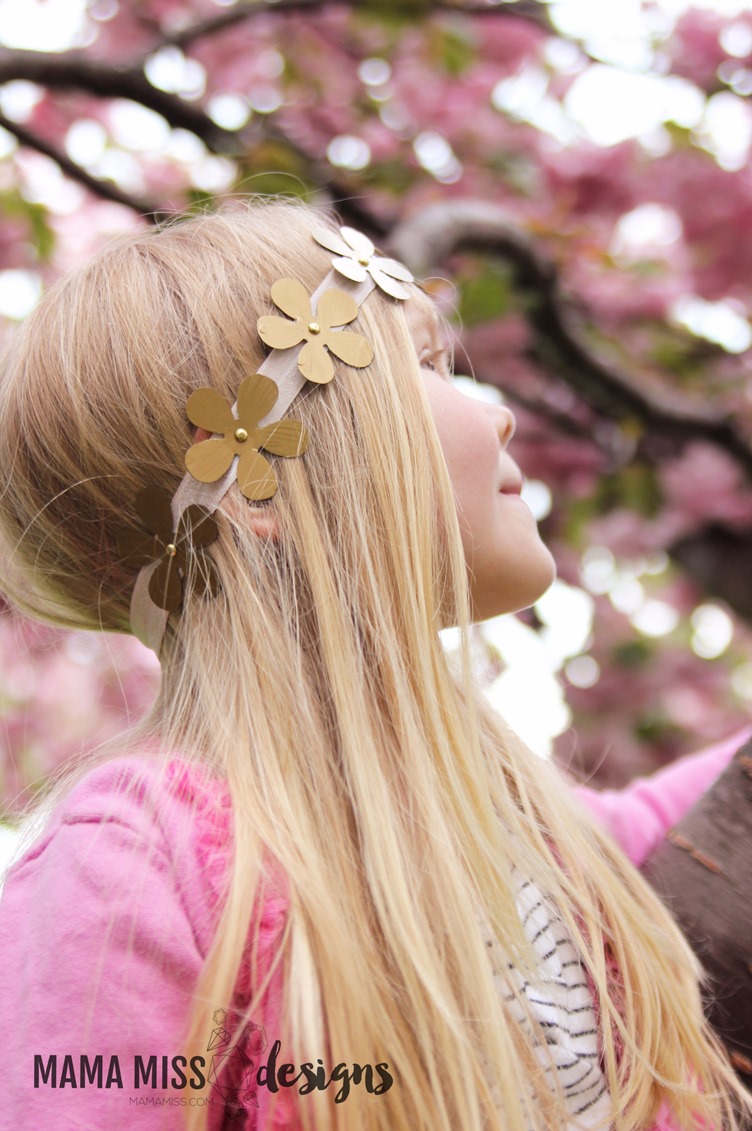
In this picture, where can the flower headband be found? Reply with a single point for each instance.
(169, 545)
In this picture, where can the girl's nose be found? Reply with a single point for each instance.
(506, 423)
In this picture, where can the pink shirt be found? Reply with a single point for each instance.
(120, 894)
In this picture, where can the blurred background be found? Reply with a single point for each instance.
(572, 181)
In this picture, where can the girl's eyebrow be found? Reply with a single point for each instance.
(445, 344)
(441, 357)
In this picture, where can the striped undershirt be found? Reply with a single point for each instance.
(560, 1000)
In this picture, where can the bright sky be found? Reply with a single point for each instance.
(623, 96)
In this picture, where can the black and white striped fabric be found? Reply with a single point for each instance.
(560, 1000)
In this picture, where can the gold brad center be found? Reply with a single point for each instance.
(314, 328)
(171, 550)
(363, 261)
(241, 435)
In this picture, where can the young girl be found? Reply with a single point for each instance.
(323, 886)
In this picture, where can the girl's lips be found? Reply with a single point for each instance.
(511, 486)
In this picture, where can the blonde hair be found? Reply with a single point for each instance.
(315, 684)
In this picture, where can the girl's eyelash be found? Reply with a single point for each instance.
(436, 361)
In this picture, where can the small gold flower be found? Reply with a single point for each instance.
(242, 437)
(355, 258)
(171, 548)
(335, 308)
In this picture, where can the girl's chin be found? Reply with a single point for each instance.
(537, 580)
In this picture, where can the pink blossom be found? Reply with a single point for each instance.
(695, 50)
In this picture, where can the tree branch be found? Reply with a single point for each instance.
(73, 71)
(529, 10)
(424, 240)
(107, 190)
(718, 559)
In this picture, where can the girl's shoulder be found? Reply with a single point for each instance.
(137, 787)
(147, 822)
(155, 826)
(105, 922)
(106, 919)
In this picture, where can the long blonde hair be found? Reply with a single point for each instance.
(395, 801)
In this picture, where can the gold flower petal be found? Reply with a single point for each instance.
(209, 460)
(292, 299)
(196, 525)
(256, 477)
(350, 268)
(335, 308)
(361, 245)
(331, 241)
(257, 396)
(207, 408)
(314, 362)
(392, 267)
(284, 438)
(388, 285)
(154, 509)
(136, 548)
(353, 349)
(165, 586)
(279, 333)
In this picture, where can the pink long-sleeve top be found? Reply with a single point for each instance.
(121, 894)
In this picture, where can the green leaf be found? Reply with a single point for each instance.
(485, 295)
(273, 167)
(14, 204)
(198, 201)
(455, 51)
(395, 176)
(632, 653)
(396, 12)
(635, 487)
(656, 728)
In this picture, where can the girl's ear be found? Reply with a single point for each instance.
(263, 522)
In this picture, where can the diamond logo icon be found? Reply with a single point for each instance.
(230, 1074)
(218, 1037)
(254, 1038)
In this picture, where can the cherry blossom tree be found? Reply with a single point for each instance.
(604, 289)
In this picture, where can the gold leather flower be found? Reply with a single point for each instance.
(355, 258)
(335, 308)
(242, 437)
(159, 542)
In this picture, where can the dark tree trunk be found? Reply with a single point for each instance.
(703, 872)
